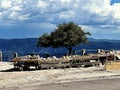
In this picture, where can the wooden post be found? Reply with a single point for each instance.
(15, 54)
(114, 58)
(98, 51)
(83, 52)
(0, 56)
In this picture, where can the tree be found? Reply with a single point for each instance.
(66, 35)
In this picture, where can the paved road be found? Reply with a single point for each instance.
(106, 84)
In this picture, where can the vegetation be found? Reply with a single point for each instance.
(66, 35)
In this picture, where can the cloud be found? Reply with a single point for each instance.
(96, 15)
(0, 15)
(116, 14)
(79, 11)
(42, 4)
(66, 15)
(65, 1)
(5, 4)
(24, 17)
(103, 31)
(16, 8)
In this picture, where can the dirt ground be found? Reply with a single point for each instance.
(26, 80)
(101, 84)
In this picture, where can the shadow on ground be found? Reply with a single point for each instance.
(14, 70)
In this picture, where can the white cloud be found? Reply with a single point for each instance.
(99, 7)
(13, 15)
(0, 14)
(6, 4)
(66, 15)
(24, 17)
(116, 11)
(42, 4)
(17, 2)
(18, 17)
(65, 1)
(16, 8)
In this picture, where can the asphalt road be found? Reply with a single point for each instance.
(102, 84)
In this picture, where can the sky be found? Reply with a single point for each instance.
(32, 18)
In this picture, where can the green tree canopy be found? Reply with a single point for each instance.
(66, 35)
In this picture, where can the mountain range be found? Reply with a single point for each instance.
(28, 45)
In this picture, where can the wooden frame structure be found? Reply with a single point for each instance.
(78, 61)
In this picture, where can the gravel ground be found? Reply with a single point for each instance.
(56, 79)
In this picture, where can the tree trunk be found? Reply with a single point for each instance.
(70, 49)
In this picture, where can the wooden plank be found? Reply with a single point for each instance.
(55, 65)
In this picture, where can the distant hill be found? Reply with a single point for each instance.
(28, 46)
(101, 44)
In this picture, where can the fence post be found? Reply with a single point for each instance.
(98, 51)
(0, 56)
(83, 52)
(15, 54)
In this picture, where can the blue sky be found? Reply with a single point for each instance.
(32, 18)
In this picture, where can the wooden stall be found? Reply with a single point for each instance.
(64, 62)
